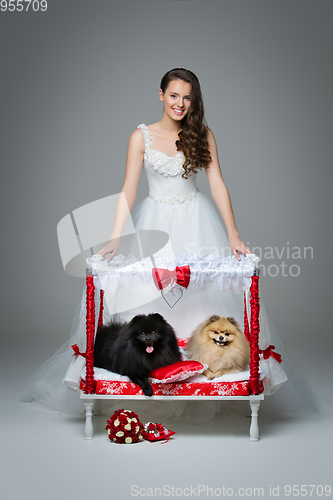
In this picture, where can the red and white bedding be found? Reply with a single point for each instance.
(198, 385)
(230, 384)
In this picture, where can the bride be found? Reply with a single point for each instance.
(176, 147)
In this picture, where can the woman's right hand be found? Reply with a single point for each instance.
(111, 247)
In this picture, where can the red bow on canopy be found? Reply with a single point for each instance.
(269, 352)
(163, 277)
(77, 351)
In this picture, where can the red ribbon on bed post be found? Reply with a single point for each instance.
(90, 329)
(101, 308)
(254, 336)
(246, 321)
(269, 351)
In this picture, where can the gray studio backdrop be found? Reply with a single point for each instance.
(77, 79)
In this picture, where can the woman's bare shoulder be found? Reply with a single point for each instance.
(211, 139)
(136, 140)
(210, 134)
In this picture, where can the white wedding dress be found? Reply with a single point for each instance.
(176, 206)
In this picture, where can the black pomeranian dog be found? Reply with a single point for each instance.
(136, 348)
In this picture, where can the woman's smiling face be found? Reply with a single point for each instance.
(176, 99)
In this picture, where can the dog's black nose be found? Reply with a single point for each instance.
(221, 337)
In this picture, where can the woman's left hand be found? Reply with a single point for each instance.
(238, 246)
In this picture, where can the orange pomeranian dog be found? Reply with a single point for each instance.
(219, 343)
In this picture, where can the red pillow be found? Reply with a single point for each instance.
(176, 372)
(156, 432)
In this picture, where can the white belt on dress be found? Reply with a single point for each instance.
(175, 199)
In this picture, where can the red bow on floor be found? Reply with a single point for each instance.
(269, 352)
(77, 351)
(163, 277)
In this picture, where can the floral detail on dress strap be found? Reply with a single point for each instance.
(146, 136)
(159, 161)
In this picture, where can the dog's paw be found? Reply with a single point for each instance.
(209, 374)
(148, 391)
(144, 385)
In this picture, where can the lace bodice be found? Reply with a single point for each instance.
(161, 162)
(164, 174)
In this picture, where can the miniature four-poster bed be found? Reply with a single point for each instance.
(229, 274)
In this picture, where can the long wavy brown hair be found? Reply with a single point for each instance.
(193, 133)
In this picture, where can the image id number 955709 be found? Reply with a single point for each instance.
(304, 490)
(23, 5)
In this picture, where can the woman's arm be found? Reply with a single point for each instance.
(125, 203)
(221, 197)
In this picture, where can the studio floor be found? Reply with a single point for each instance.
(44, 454)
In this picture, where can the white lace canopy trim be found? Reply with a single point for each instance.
(227, 272)
(159, 161)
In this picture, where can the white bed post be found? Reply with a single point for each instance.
(254, 428)
(88, 428)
